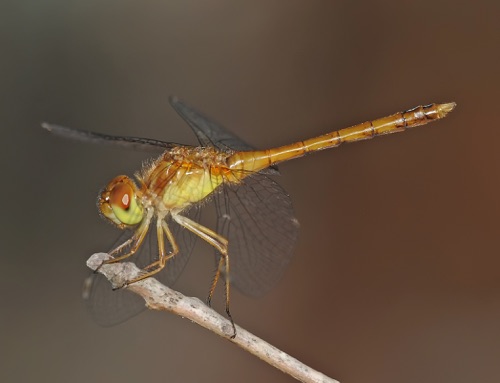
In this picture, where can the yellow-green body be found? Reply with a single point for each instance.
(190, 186)
(184, 176)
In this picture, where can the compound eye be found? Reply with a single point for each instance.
(124, 203)
(121, 196)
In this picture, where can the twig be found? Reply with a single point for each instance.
(160, 297)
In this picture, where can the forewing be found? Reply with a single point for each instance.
(135, 143)
(258, 220)
(210, 133)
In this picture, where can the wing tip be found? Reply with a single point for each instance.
(47, 126)
(173, 100)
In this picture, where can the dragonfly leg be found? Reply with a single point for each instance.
(215, 280)
(117, 249)
(221, 244)
(173, 253)
(135, 242)
(155, 267)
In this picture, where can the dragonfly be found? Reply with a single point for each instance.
(256, 229)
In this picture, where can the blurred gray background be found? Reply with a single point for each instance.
(396, 274)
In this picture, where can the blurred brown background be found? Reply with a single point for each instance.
(396, 276)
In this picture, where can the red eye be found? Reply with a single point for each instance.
(121, 195)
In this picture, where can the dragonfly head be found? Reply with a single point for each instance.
(119, 202)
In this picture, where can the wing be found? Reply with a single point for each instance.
(255, 216)
(210, 133)
(136, 143)
(258, 220)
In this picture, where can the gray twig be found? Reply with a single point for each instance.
(160, 297)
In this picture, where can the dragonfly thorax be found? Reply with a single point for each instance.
(183, 176)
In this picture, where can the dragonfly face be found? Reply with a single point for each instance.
(120, 203)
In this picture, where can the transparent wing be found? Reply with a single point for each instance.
(258, 220)
(210, 133)
(136, 143)
(256, 216)
(108, 307)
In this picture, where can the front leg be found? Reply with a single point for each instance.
(155, 267)
(135, 241)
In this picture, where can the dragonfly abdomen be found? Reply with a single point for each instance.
(421, 115)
